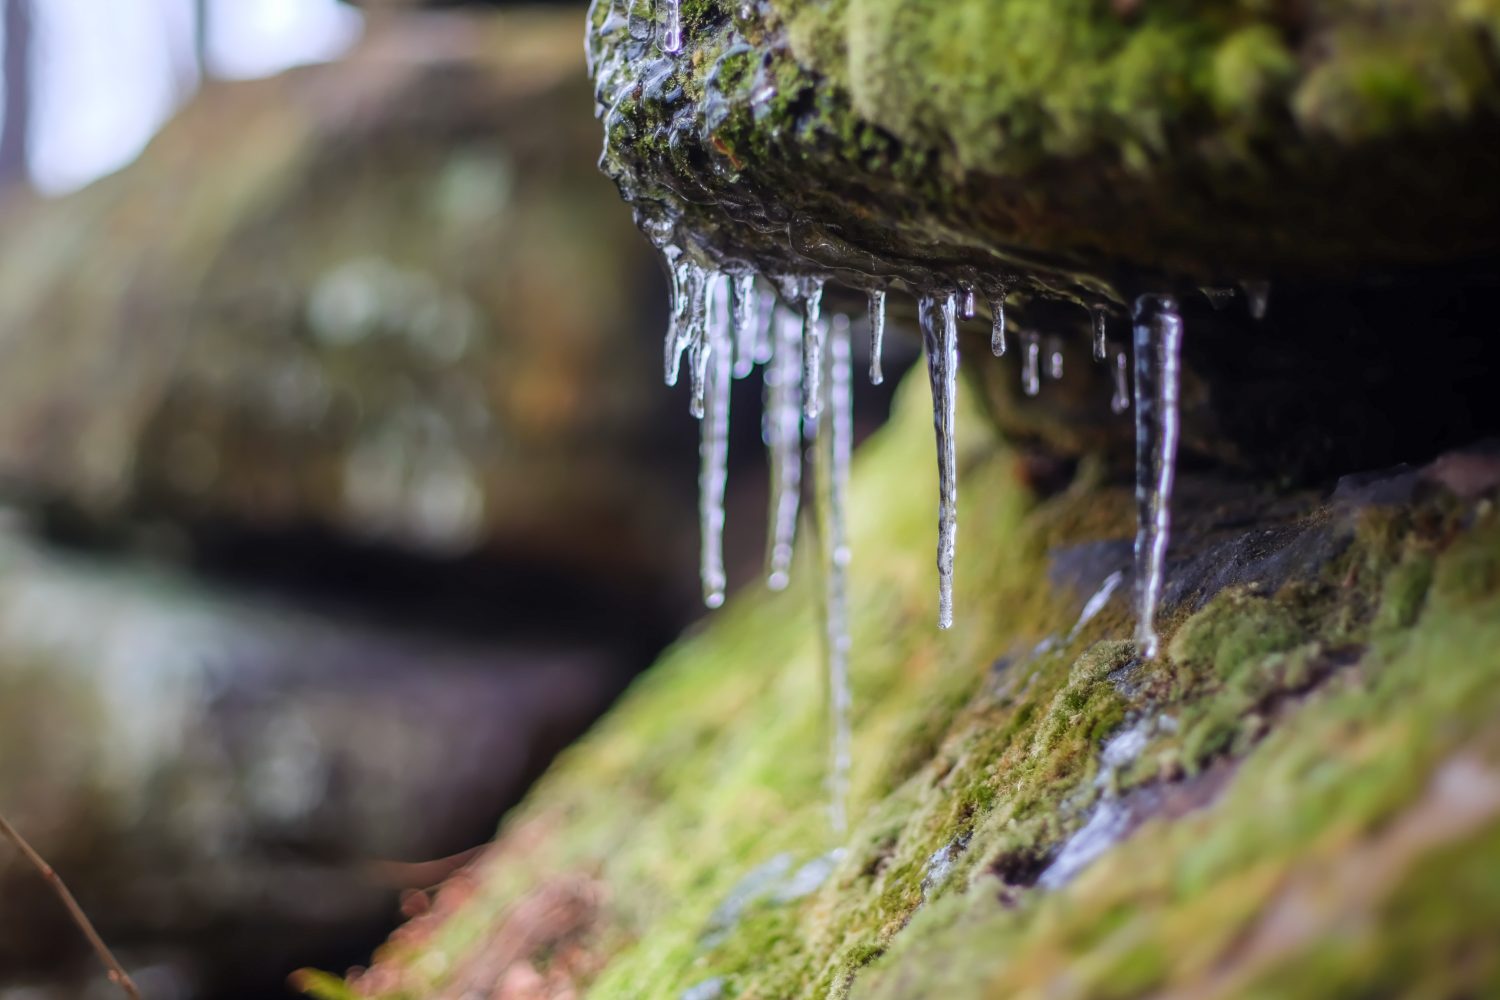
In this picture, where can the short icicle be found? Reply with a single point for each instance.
(744, 306)
(1031, 363)
(683, 272)
(1120, 402)
(997, 330)
(940, 341)
(671, 38)
(831, 471)
(1101, 329)
(877, 335)
(713, 448)
(813, 333)
(703, 286)
(1158, 347)
(967, 305)
(782, 430)
(1054, 358)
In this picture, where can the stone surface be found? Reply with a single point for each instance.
(1299, 799)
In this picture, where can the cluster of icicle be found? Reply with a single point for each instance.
(725, 325)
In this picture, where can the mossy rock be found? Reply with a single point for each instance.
(1035, 810)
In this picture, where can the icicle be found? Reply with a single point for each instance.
(877, 335)
(1031, 373)
(1054, 358)
(967, 306)
(831, 470)
(765, 325)
(997, 331)
(1101, 327)
(683, 272)
(1257, 296)
(671, 39)
(1121, 400)
(941, 346)
(713, 448)
(1158, 346)
(1218, 297)
(702, 287)
(744, 305)
(812, 348)
(782, 430)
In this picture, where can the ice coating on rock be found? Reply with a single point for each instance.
(877, 335)
(1031, 363)
(713, 446)
(938, 319)
(744, 322)
(1101, 329)
(997, 329)
(640, 21)
(831, 472)
(813, 333)
(1158, 349)
(1120, 402)
(782, 430)
(1054, 358)
(671, 35)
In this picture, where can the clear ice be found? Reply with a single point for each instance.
(744, 311)
(831, 471)
(1120, 402)
(877, 335)
(1158, 348)
(1031, 364)
(782, 430)
(1054, 358)
(671, 37)
(812, 348)
(713, 447)
(684, 272)
(1101, 328)
(997, 331)
(940, 341)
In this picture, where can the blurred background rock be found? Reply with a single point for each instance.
(339, 488)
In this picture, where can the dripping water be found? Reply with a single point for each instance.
(1031, 372)
(997, 331)
(831, 474)
(877, 335)
(782, 430)
(713, 447)
(1158, 346)
(940, 340)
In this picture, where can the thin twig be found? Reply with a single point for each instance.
(117, 973)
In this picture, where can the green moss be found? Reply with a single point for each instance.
(1235, 632)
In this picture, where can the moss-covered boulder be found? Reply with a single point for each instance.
(1301, 798)
(1065, 141)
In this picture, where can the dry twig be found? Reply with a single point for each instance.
(117, 973)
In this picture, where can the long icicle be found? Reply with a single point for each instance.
(713, 448)
(877, 335)
(813, 333)
(940, 340)
(782, 430)
(1158, 348)
(831, 471)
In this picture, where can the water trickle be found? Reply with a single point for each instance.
(1257, 297)
(1101, 329)
(1031, 363)
(831, 472)
(1120, 402)
(997, 331)
(744, 305)
(782, 431)
(671, 37)
(1158, 347)
(1054, 358)
(713, 447)
(702, 286)
(940, 340)
(877, 335)
(812, 348)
